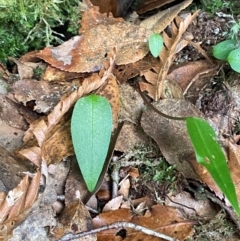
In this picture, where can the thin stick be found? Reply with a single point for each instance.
(117, 225)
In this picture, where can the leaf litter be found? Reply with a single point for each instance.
(42, 111)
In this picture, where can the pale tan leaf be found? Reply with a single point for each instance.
(113, 204)
(33, 154)
(124, 188)
(40, 132)
(2, 197)
(12, 197)
(18, 206)
(32, 191)
(158, 22)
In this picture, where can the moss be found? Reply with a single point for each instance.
(29, 24)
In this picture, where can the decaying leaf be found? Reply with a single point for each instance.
(171, 135)
(85, 53)
(11, 168)
(234, 165)
(148, 5)
(171, 44)
(107, 6)
(111, 93)
(158, 22)
(75, 218)
(126, 72)
(159, 219)
(44, 94)
(14, 200)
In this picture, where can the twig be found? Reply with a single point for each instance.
(117, 225)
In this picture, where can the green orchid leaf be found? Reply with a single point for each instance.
(234, 60)
(155, 42)
(223, 49)
(91, 127)
(210, 155)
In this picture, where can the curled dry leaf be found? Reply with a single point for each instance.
(32, 190)
(171, 43)
(12, 199)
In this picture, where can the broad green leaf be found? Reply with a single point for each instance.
(91, 127)
(155, 44)
(210, 155)
(234, 60)
(223, 49)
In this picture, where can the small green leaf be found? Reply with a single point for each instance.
(210, 155)
(234, 60)
(223, 49)
(91, 127)
(155, 44)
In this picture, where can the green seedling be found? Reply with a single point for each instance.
(229, 51)
(155, 42)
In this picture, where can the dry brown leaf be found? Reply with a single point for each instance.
(205, 176)
(125, 72)
(158, 22)
(148, 5)
(113, 204)
(171, 135)
(111, 93)
(18, 206)
(86, 53)
(193, 208)
(12, 198)
(185, 73)
(44, 94)
(171, 44)
(160, 219)
(107, 6)
(32, 191)
(11, 169)
(10, 137)
(25, 70)
(234, 165)
(52, 74)
(75, 182)
(10, 113)
(124, 188)
(74, 218)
